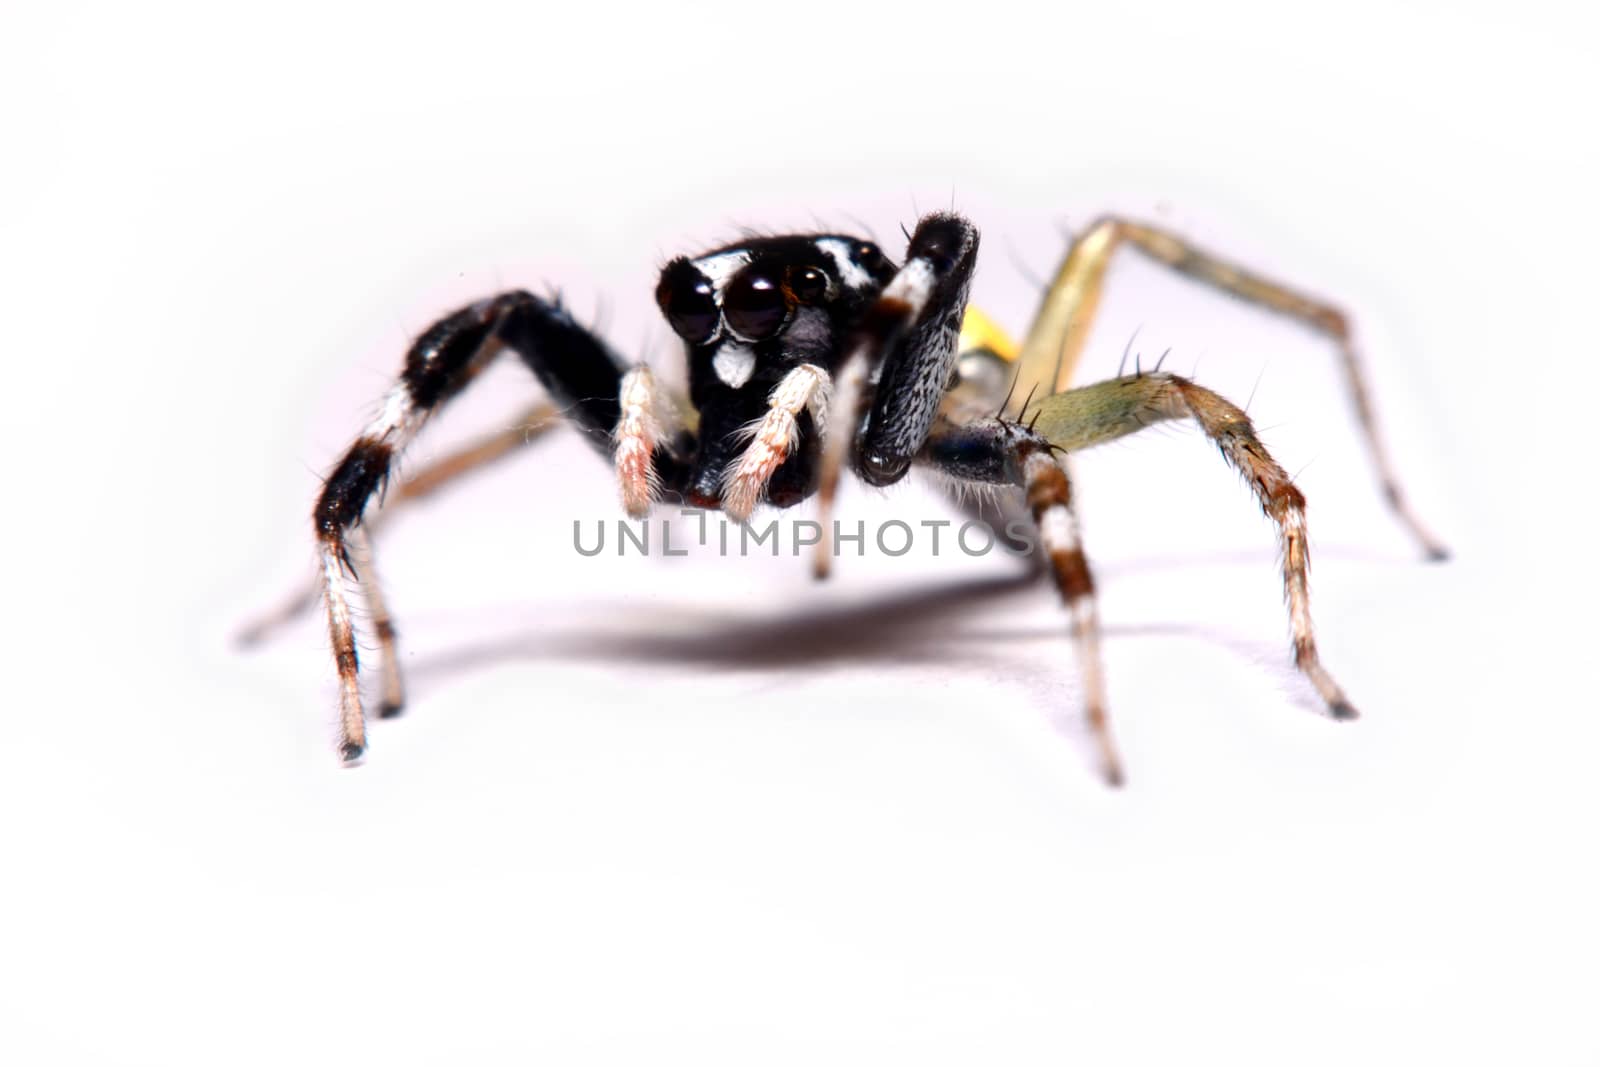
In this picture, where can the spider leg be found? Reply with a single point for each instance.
(997, 452)
(527, 428)
(1094, 414)
(908, 335)
(583, 377)
(1056, 340)
(393, 690)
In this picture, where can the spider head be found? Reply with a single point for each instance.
(752, 310)
(749, 313)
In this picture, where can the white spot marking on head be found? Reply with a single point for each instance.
(734, 364)
(850, 272)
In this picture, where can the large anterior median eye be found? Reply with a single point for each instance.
(685, 297)
(755, 305)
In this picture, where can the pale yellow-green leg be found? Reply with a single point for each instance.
(1055, 342)
(1094, 414)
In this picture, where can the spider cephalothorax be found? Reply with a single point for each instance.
(814, 353)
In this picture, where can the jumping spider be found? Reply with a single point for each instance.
(812, 353)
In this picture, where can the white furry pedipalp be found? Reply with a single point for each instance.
(774, 437)
(636, 436)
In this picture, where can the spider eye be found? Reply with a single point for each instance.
(685, 297)
(755, 306)
(872, 260)
(808, 284)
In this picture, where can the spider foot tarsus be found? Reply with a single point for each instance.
(1343, 710)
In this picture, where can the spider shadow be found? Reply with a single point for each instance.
(919, 626)
(931, 625)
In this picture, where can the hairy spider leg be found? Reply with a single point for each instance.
(910, 332)
(1055, 342)
(580, 372)
(392, 694)
(994, 451)
(476, 455)
(1095, 414)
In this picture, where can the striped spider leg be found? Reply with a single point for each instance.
(526, 428)
(584, 378)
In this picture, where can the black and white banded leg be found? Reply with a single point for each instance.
(583, 377)
(419, 484)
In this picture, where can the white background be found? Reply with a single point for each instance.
(703, 810)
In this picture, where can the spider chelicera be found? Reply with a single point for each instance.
(813, 353)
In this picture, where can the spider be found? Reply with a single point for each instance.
(812, 353)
